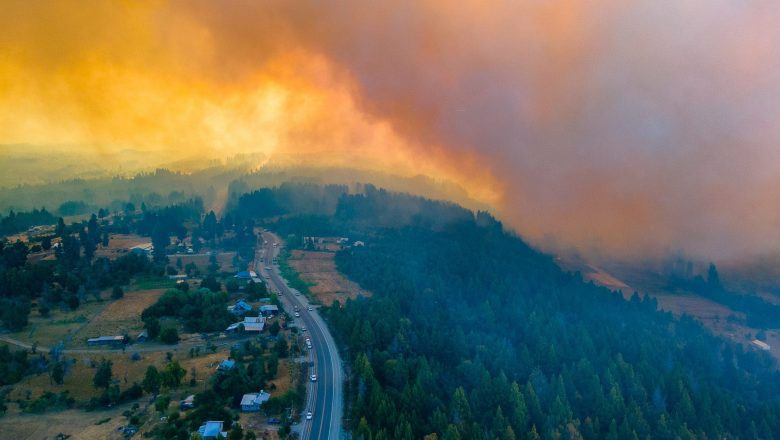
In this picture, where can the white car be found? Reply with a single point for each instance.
(310, 308)
(308, 415)
(303, 329)
(314, 378)
(297, 315)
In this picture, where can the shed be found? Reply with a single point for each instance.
(270, 309)
(106, 340)
(240, 307)
(761, 344)
(226, 365)
(142, 337)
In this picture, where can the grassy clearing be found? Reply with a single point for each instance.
(291, 275)
(119, 317)
(148, 283)
(318, 270)
(61, 325)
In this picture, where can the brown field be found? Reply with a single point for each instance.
(61, 325)
(225, 260)
(76, 423)
(319, 269)
(119, 317)
(119, 244)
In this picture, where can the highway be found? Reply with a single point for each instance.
(324, 398)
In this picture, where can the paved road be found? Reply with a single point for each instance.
(324, 397)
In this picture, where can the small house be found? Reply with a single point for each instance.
(187, 403)
(240, 307)
(212, 430)
(142, 337)
(226, 365)
(250, 324)
(246, 275)
(251, 402)
(269, 310)
(106, 340)
(761, 344)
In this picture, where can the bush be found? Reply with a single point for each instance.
(169, 335)
(117, 292)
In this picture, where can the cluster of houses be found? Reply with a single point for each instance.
(250, 323)
(241, 307)
(248, 275)
(213, 429)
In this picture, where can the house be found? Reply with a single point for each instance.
(246, 275)
(240, 308)
(359, 244)
(106, 340)
(226, 365)
(251, 402)
(187, 403)
(142, 337)
(177, 278)
(250, 324)
(269, 310)
(761, 344)
(212, 430)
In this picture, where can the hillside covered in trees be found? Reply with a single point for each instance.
(473, 334)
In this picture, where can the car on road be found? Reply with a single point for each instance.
(308, 415)
(274, 421)
(313, 378)
(310, 308)
(297, 315)
(303, 329)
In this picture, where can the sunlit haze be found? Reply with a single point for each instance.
(617, 127)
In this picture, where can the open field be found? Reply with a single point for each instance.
(319, 270)
(76, 423)
(120, 244)
(119, 317)
(225, 260)
(61, 325)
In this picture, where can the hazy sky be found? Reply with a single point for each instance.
(629, 126)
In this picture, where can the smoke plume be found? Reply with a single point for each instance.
(625, 127)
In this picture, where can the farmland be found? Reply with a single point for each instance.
(327, 284)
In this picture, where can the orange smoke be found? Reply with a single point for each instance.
(627, 127)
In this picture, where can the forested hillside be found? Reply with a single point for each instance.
(472, 334)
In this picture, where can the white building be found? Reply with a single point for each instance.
(250, 323)
(761, 344)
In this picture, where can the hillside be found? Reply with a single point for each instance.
(471, 333)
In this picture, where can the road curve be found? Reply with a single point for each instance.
(325, 396)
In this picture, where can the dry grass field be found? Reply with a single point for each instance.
(76, 423)
(118, 317)
(119, 244)
(319, 270)
(225, 260)
(61, 325)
